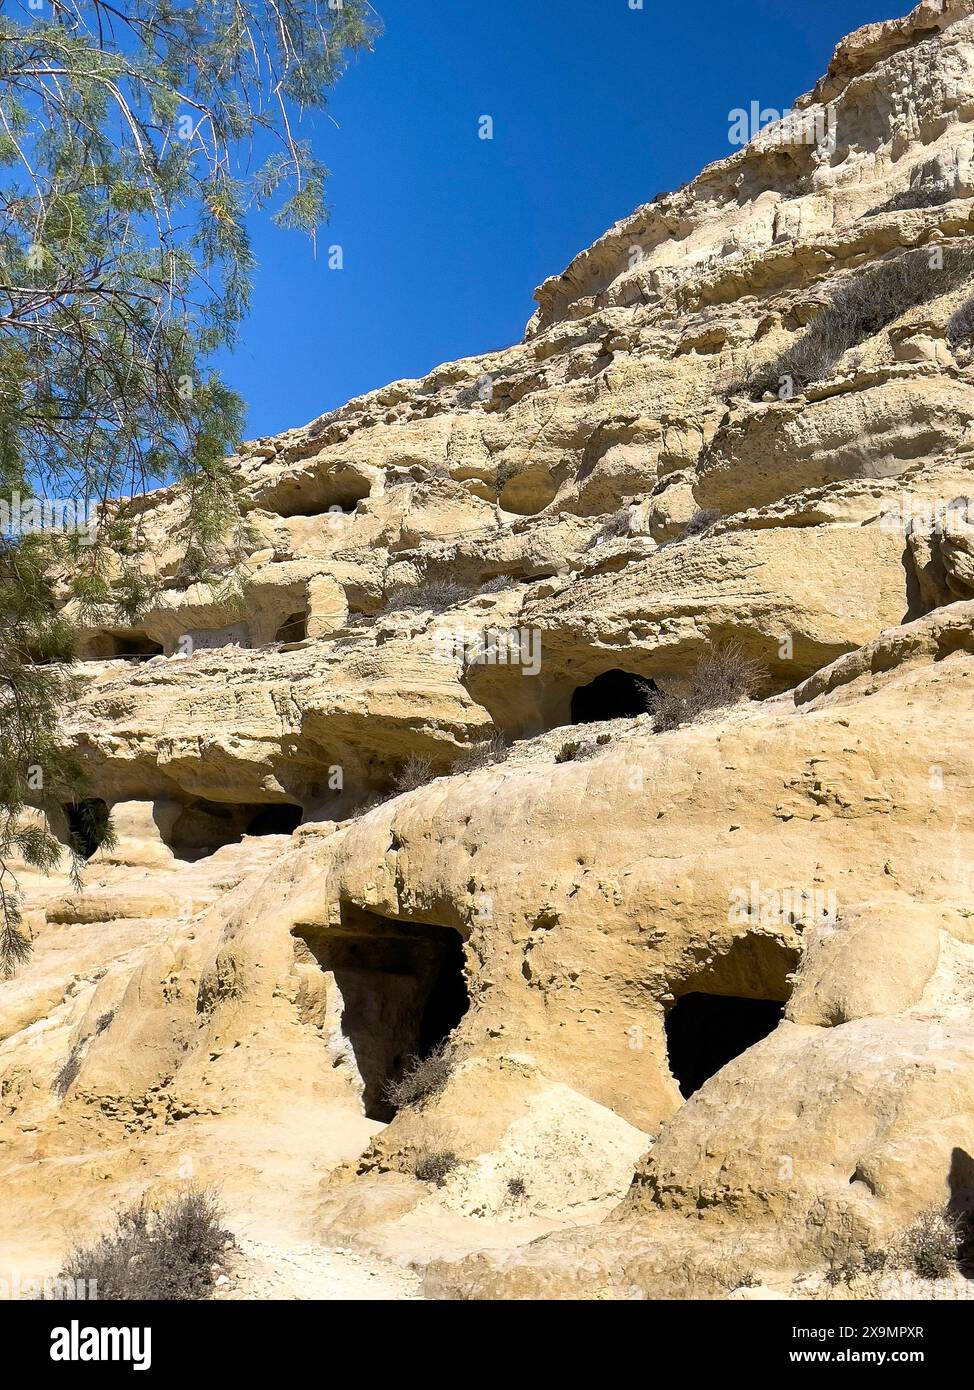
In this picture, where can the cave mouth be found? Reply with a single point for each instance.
(706, 1031)
(202, 827)
(293, 629)
(613, 695)
(403, 993)
(275, 820)
(88, 824)
(128, 644)
(727, 1007)
(309, 497)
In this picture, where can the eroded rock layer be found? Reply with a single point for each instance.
(708, 990)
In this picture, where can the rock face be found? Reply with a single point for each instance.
(708, 990)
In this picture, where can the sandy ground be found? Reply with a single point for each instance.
(260, 1271)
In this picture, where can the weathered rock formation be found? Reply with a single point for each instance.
(710, 991)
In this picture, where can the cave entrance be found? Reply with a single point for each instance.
(293, 629)
(706, 1031)
(202, 827)
(402, 989)
(340, 491)
(275, 820)
(721, 1011)
(613, 695)
(88, 824)
(127, 643)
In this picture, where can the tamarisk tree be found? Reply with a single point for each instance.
(135, 139)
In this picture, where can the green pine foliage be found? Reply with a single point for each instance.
(135, 137)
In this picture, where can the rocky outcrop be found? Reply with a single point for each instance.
(722, 971)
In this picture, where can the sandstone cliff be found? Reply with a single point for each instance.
(709, 990)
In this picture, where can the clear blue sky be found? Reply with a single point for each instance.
(596, 108)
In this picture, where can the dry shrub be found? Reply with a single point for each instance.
(487, 753)
(866, 1261)
(960, 328)
(435, 1165)
(931, 1247)
(422, 1077)
(859, 307)
(415, 772)
(931, 193)
(701, 521)
(69, 1069)
(614, 526)
(72, 1065)
(433, 594)
(506, 472)
(724, 677)
(166, 1254)
(935, 1246)
(575, 752)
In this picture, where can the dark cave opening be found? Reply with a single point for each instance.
(128, 644)
(737, 998)
(202, 827)
(139, 645)
(293, 629)
(303, 497)
(613, 695)
(403, 993)
(447, 1001)
(88, 824)
(706, 1031)
(275, 820)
